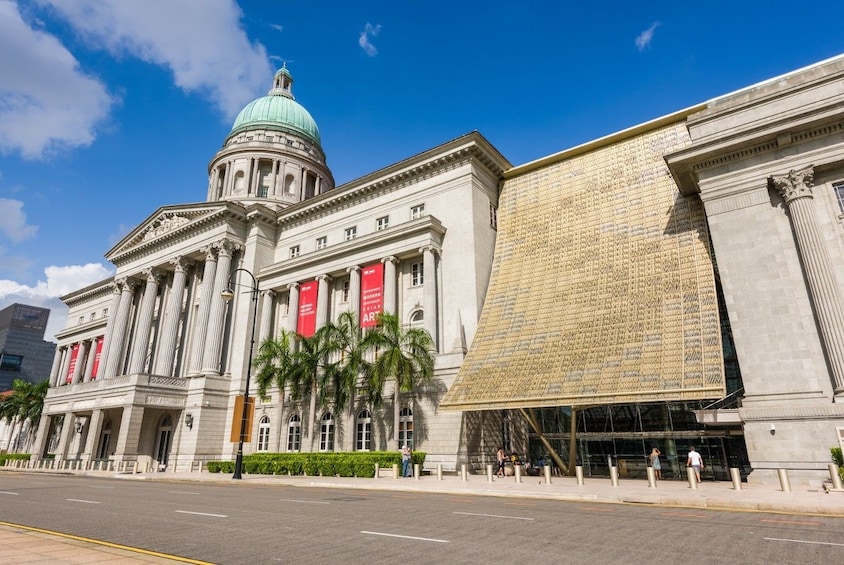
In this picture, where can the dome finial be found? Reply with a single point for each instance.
(282, 82)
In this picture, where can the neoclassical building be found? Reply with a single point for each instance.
(152, 360)
(676, 283)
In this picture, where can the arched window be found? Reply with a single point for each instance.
(239, 182)
(417, 316)
(294, 433)
(264, 434)
(289, 184)
(363, 436)
(326, 432)
(406, 427)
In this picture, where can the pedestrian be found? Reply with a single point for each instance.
(655, 464)
(695, 461)
(500, 458)
(406, 457)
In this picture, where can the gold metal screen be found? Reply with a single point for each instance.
(602, 288)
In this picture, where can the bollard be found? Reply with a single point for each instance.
(690, 472)
(377, 470)
(417, 471)
(547, 470)
(489, 473)
(651, 477)
(785, 484)
(439, 472)
(614, 476)
(836, 478)
(735, 475)
(578, 472)
(518, 473)
(463, 474)
(395, 470)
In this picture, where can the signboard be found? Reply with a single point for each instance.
(306, 324)
(97, 354)
(371, 294)
(74, 353)
(237, 420)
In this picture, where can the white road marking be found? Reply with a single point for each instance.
(101, 487)
(80, 500)
(806, 541)
(493, 516)
(404, 537)
(303, 501)
(202, 514)
(11, 493)
(181, 492)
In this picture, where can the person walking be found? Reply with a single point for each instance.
(695, 461)
(406, 457)
(655, 464)
(500, 457)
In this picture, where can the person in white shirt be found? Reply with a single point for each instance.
(695, 461)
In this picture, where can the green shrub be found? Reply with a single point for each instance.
(13, 457)
(344, 464)
(838, 459)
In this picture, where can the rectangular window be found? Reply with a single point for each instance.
(105, 312)
(417, 211)
(350, 233)
(294, 251)
(417, 274)
(321, 242)
(344, 293)
(493, 216)
(382, 223)
(10, 362)
(81, 320)
(93, 316)
(839, 195)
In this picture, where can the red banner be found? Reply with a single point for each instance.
(371, 294)
(97, 355)
(306, 324)
(74, 353)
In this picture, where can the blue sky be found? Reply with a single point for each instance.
(112, 108)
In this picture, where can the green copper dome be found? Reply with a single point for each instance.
(278, 110)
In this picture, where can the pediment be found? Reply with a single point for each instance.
(165, 223)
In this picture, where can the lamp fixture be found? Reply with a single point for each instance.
(189, 420)
(227, 294)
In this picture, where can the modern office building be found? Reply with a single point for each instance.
(678, 282)
(23, 352)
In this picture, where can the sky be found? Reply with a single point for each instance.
(110, 109)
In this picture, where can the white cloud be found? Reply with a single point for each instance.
(363, 40)
(60, 281)
(644, 39)
(46, 102)
(200, 41)
(13, 221)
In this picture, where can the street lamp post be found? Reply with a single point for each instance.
(227, 295)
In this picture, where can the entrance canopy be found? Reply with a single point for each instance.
(602, 288)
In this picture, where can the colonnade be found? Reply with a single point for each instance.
(222, 179)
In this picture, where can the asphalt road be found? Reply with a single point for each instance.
(245, 523)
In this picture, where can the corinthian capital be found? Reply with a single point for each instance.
(795, 184)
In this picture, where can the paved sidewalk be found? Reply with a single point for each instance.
(43, 548)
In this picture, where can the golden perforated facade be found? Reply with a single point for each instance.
(602, 288)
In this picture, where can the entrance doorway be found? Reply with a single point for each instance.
(162, 449)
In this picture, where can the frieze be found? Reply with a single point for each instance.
(155, 400)
(164, 224)
(737, 202)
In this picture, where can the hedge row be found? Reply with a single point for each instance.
(350, 464)
(838, 459)
(13, 457)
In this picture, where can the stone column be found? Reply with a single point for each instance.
(354, 290)
(796, 190)
(322, 301)
(80, 361)
(173, 313)
(214, 337)
(112, 318)
(390, 284)
(42, 436)
(266, 316)
(293, 307)
(121, 324)
(138, 362)
(255, 176)
(429, 292)
(94, 423)
(64, 438)
(89, 363)
(274, 179)
(130, 432)
(57, 363)
(200, 323)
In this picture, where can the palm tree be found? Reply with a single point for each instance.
(403, 355)
(24, 406)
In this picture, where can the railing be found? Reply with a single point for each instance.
(732, 400)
